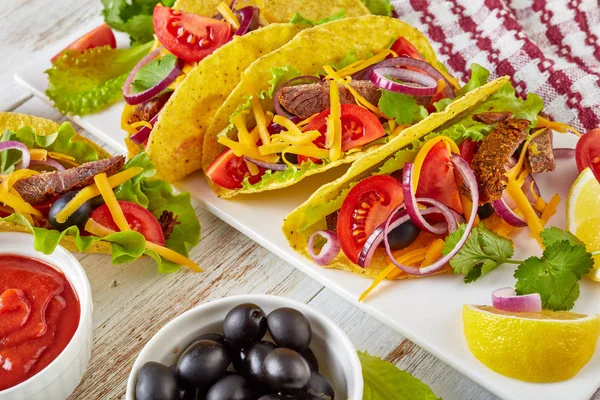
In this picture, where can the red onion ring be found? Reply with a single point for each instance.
(278, 109)
(468, 176)
(428, 84)
(274, 127)
(564, 153)
(249, 20)
(328, 251)
(422, 66)
(143, 134)
(527, 184)
(15, 145)
(412, 207)
(50, 162)
(506, 299)
(266, 165)
(507, 214)
(138, 98)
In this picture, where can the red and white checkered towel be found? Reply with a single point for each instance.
(548, 47)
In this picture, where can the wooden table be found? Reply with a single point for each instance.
(132, 302)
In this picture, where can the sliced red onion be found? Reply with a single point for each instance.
(422, 66)
(528, 186)
(428, 85)
(412, 206)
(564, 153)
(266, 165)
(278, 109)
(143, 134)
(50, 162)
(248, 17)
(328, 251)
(138, 98)
(507, 214)
(507, 300)
(274, 127)
(463, 168)
(15, 145)
(232, 4)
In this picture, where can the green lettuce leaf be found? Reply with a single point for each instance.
(403, 108)
(383, 381)
(287, 175)
(300, 20)
(81, 83)
(396, 162)
(280, 76)
(133, 17)
(379, 7)
(479, 77)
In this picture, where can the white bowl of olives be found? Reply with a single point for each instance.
(250, 347)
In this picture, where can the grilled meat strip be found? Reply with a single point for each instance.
(540, 155)
(492, 117)
(313, 98)
(332, 221)
(40, 188)
(148, 109)
(489, 164)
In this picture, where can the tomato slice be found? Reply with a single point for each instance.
(101, 36)
(138, 218)
(468, 148)
(404, 48)
(229, 171)
(187, 35)
(587, 152)
(359, 127)
(437, 179)
(367, 206)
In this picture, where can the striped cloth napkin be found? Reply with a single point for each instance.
(548, 47)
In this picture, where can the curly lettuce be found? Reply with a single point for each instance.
(82, 83)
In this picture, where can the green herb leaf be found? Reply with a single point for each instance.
(150, 75)
(379, 7)
(133, 17)
(483, 251)
(383, 381)
(555, 275)
(300, 20)
(81, 83)
(403, 108)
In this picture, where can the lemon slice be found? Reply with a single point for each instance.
(583, 215)
(546, 346)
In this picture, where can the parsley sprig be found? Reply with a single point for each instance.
(555, 275)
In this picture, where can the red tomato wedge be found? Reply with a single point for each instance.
(403, 47)
(187, 35)
(138, 218)
(229, 171)
(468, 148)
(587, 152)
(359, 127)
(101, 36)
(367, 206)
(437, 179)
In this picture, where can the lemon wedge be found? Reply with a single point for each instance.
(546, 346)
(583, 215)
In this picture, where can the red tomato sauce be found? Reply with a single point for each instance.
(39, 314)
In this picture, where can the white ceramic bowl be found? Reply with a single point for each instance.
(60, 378)
(337, 357)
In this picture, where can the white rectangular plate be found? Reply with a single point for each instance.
(427, 311)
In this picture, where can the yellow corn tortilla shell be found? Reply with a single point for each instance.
(42, 126)
(175, 144)
(292, 224)
(308, 52)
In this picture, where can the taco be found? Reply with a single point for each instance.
(319, 102)
(66, 190)
(404, 213)
(203, 71)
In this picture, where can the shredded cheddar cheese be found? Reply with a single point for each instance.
(38, 154)
(533, 221)
(261, 120)
(241, 150)
(362, 64)
(333, 139)
(228, 15)
(110, 200)
(244, 136)
(420, 159)
(550, 209)
(556, 126)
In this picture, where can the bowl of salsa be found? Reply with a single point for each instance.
(45, 321)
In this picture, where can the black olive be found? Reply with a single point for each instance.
(255, 359)
(292, 158)
(485, 211)
(232, 387)
(78, 218)
(202, 364)
(215, 337)
(238, 359)
(244, 325)
(309, 356)
(286, 369)
(319, 386)
(290, 328)
(156, 382)
(403, 236)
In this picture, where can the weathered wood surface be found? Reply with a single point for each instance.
(132, 302)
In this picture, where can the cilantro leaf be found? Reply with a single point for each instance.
(133, 17)
(403, 108)
(552, 235)
(379, 7)
(482, 252)
(298, 19)
(151, 74)
(81, 83)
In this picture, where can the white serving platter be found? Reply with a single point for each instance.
(427, 311)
